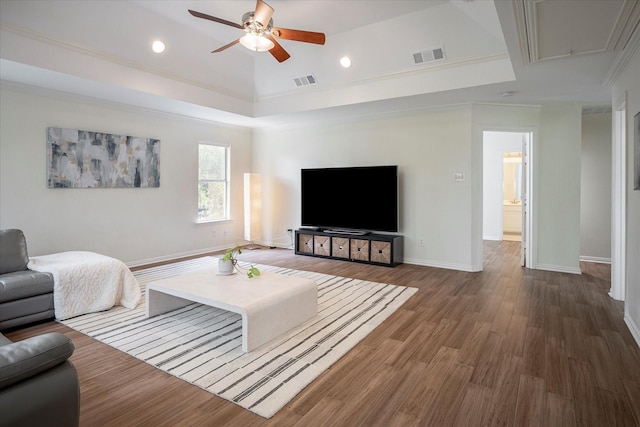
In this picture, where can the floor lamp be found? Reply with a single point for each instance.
(252, 209)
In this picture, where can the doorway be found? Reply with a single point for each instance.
(506, 187)
(512, 196)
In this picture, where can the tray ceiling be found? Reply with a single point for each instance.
(61, 45)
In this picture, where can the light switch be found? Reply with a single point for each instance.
(458, 177)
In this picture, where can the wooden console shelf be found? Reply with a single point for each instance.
(379, 249)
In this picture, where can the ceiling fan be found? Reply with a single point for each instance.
(261, 34)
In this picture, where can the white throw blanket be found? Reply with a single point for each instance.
(86, 282)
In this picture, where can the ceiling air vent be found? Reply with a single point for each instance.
(429, 55)
(305, 80)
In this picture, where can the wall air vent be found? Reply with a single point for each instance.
(429, 55)
(307, 80)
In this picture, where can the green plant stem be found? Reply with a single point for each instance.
(231, 254)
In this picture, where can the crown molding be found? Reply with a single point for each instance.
(526, 17)
(237, 122)
(417, 71)
(621, 61)
(625, 25)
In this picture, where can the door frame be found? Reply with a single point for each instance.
(525, 179)
(528, 243)
(618, 199)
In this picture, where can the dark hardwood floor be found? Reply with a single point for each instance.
(505, 347)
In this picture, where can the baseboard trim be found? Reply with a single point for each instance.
(558, 268)
(449, 266)
(595, 259)
(633, 327)
(173, 257)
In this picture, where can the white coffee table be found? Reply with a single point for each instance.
(270, 304)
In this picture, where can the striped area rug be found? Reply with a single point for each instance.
(202, 344)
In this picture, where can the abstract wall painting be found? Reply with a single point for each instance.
(83, 159)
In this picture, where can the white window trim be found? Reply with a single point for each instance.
(227, 216)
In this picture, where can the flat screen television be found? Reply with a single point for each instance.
(361, 198)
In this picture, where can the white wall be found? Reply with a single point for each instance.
(627, 85)
(427, 147)
(134, 225)
(555, 196)
(495, 144)
(557, 207)
(595, 208)
(138, 225)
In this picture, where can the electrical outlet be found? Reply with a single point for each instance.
(225, 233)
(421, 242)
(214, 234)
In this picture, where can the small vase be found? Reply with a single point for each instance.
(225, 267)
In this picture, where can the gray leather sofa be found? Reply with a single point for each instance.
(38, 384)
(25, 296)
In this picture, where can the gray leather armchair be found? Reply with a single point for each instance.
(38, 385)
(25, 296)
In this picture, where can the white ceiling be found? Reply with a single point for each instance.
(543, 51)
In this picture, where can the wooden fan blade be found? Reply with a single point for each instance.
(226, 46)
(278, 51)
(299, 35)
(263, 13)
(214, 19)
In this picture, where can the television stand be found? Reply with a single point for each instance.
(347, 232)
(369, 248)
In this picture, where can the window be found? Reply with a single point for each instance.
(213, 181)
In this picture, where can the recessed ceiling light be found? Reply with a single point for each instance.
(158, 46)
(345, 61)
(507, 93)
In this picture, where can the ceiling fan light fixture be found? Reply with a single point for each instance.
(260, 34)
(256, 43)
